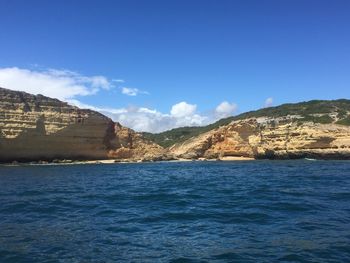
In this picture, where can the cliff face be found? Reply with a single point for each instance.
(251, 138)
(133, 146)
(41, 128)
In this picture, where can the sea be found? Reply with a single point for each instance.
(239, 211)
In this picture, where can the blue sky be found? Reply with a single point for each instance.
(202, 53)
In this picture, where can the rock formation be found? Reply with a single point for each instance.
(36, 128)
(131, 145)
(40, 128)
(251, 138)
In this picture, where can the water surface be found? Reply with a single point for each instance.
(251, 211)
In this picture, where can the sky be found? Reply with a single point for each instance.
(156, 65)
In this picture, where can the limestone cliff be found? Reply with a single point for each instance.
(36, 128)
(253, 138)
(41, 128)
(133, 146)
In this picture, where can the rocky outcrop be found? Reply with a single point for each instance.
(251, 138)
(40, 128)
(133, 146)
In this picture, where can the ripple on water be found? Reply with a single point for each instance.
(262, 211)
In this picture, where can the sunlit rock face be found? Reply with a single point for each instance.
(36, 128)
(40, 128)
(250, 138)
(132, 146)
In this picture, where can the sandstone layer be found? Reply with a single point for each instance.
(36, 128)
(132, 146)
(40, 128)
(251, 138)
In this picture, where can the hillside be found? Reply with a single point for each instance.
(170, 137)
(316, 111)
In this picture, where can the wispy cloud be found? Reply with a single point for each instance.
(69, 86)
(132, 91)
(118, 80)
(60, 84)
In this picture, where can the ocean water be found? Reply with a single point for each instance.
(251, 211)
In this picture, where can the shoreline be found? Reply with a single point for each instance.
(125, 161)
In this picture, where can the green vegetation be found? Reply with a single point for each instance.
(324, 119)
(304, 109)
(341, 114)
(345, 121)
(176, 135)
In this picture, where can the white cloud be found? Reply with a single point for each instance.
(118, 80)
(145, 119)
(150, 120)
(60, 84)
(132, 91)
(183, 109)
(67, 85)
(225, 109)
(268, 102)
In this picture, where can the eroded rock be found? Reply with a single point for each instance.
(34, 128)
(248, 138)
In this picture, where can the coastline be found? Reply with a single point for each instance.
(124, 161)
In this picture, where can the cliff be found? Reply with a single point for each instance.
(314, 111)
(41, 128)
(133, 146)
(257, 138)
(36, 128)
(312, 129)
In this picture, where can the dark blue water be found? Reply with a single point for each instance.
(259, 211)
